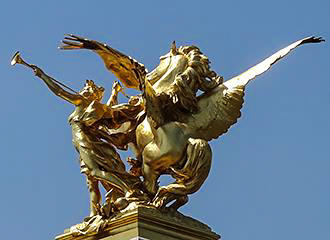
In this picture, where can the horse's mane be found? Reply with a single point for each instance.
(180, 100)
(196, 76)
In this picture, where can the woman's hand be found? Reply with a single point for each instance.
(116, 86)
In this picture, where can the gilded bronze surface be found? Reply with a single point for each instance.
(168, 126)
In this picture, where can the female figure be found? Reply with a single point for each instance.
(98, 157)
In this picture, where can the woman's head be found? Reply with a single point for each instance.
(92, 91)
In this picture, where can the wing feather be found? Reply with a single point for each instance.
(247, 76)
(220, 108)
(130, 72)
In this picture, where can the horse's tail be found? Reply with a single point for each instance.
(195, 170)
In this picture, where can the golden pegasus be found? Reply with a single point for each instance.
(169, 125)
(173, 138)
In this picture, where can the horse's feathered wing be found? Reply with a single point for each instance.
(220, 108)
(129, 71)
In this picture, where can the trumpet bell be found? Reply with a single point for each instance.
(15, 59)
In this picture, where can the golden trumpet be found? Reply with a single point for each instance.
(17, 59)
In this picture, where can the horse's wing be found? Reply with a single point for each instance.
(220, 108)
(130, 72)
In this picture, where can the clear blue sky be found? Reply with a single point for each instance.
(271, 173)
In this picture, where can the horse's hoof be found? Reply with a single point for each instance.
(121, 203)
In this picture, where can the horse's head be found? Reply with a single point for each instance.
(171, 64)
(176, 80)
(183, 64)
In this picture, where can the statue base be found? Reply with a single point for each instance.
(147, 223)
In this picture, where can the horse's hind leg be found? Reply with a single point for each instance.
(157, 160)
(150, 176)
(189, 178)
(166, 149)
(180, 201)
(162, 199)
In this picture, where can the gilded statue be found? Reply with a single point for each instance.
(182, 106)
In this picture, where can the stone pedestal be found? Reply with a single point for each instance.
(149, 224)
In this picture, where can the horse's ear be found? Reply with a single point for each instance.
(173, 48)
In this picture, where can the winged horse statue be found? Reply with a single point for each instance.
(173, 137)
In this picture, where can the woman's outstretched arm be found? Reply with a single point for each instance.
(75, 99)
